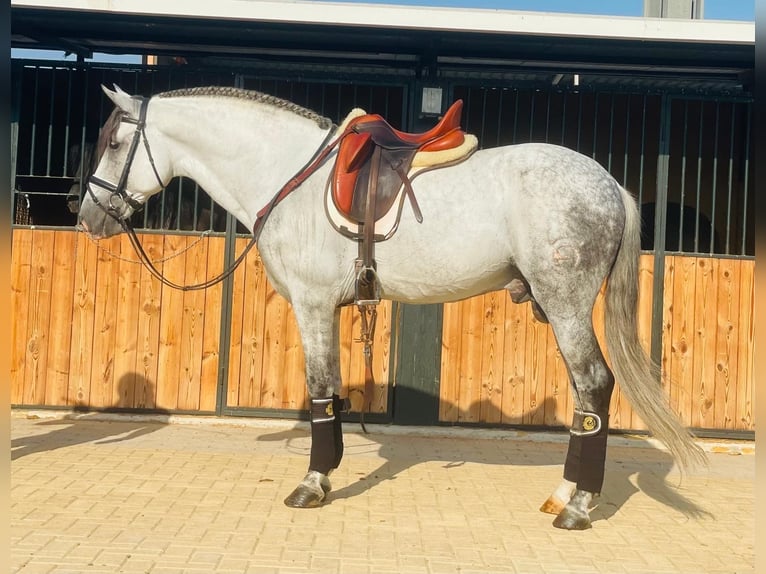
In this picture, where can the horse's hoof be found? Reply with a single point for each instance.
(553, 505)
(569, 520)
(311, 492)
(305, 497)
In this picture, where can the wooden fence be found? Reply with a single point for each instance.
(500, 365)
(92, 328)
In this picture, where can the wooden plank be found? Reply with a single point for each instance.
(83, 317)
(491, 392)
(727, 336)
(449, 378)
(148, 327)
(40, 293)
(252, 343)
(238, 310)
(212, 327)
(274, 342)
(381, 358)
(171, 316)
(192, 327)
(469, 394)
(349, 385)
(60, 329)
(514, 353)
(705, 321)
(21, 273)
(294, 394)
(535, 361)
(102, 390)
(744, 411)
(645, 298)
(126, 335)
(679, 371)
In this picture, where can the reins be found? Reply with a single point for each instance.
(120, 191)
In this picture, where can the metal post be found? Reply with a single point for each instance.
(660, 218)
(227, 296)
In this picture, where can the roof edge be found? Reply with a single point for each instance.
(481, 20)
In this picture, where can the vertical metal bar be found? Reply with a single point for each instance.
(699, 180)
(715, 176)
(52, 110)
(641, 163)
(483, 113)
(683, 179)
(531, 113)
(16, 81)
(152, 77)
(563, 115)
(547, 116)
(611, 133)
(83, 142)
(627, 141)
(595, 123)
(579, 121)
(65, 171)
(731, 173)
(515, 115)
(196, 205)
(227, 295)
(163, 196)
(34, 124)
(179, 201)
(659, 230)
(746, 179)
(498, 123)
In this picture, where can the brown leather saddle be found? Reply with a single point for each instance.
(352, 178)
(372, 167)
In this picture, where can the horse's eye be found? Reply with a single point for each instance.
(114, 145)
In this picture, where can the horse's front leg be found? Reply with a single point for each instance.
(319, 334)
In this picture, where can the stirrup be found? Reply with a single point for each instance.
(367, 286)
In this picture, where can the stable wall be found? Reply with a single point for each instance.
(92, 329)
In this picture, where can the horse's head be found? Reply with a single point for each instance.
(128, 170)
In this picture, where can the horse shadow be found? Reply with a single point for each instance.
(628, 470)
(69, 431)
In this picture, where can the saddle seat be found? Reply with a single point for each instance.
(399, 151)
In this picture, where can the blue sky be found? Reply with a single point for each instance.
(714, 10)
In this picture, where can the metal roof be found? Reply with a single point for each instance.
(413, 36)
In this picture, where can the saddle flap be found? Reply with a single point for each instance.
(354, 151)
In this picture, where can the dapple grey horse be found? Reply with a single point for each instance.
(546, 223)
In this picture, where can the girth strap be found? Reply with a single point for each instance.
(369, 315)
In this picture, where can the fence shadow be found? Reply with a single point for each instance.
(70, 431)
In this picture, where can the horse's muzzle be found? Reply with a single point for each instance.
(96, 222)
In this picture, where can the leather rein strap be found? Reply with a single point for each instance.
(120, 191)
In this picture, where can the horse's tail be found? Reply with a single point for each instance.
(638, 376)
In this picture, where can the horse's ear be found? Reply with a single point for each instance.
(123, 100)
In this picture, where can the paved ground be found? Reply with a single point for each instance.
(114, 494)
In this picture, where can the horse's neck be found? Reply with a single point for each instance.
(240, 152)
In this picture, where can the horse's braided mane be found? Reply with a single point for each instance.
(229, 92)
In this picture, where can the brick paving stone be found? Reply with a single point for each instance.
(94, 495)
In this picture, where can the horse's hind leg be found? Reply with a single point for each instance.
(592, 384)
(319, 333)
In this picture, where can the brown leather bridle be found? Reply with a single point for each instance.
(119, 192)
